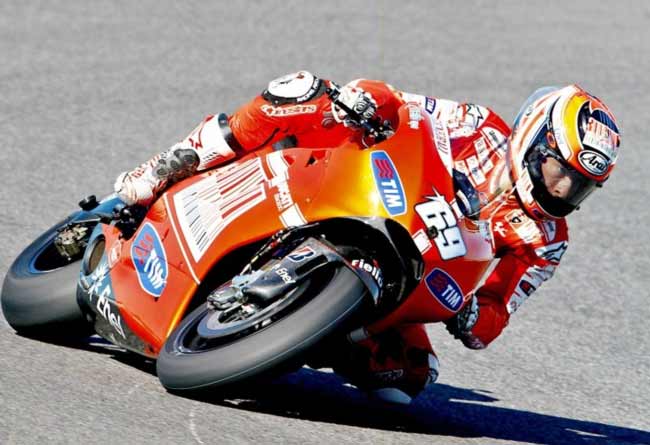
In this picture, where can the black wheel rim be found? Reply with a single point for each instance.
(190, 341)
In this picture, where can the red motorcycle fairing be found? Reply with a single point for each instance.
(198, 221)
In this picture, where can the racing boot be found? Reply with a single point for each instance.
(394, 366)
(208, 145)
(142, 185)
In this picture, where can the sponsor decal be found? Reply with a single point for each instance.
(552, 252)
(207, 207)
(283, 199)
(415, 116)
(500, 229)
(549, 228)
(441, 137)
(388, 183)
(524, 227)
(283, 273)
(475, 115)
(483, 154)
(104, 297)
(444, 289)
(602, 138)
(527, 287)
(290, 214)
(421, 241)
(114, 253)
(370, 268)
(438, 216)
(105, 309)
(529, 282)
(430, 104)
(97, 278)
(291, 110)
(150, 261)
(301, 254)
(496, 140)
(593, 162)
(475, 170)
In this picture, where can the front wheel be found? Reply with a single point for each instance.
(39, 291)
(192, 359)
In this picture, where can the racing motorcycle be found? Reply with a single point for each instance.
(246, 268)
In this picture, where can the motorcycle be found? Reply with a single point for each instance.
(253, 266)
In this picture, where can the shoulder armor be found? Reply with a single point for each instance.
(294, 88)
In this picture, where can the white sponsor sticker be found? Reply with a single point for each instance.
(483, 154)
(496, 140)
(207, 207)
(475, 170)
(600, 137)
(523, 226)
(550, 228)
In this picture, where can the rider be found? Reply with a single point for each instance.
(563, 145)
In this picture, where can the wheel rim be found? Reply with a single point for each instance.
(47, 259)
(208, 330)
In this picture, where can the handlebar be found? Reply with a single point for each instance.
(373, 126)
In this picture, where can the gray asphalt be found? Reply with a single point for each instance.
(89, 89)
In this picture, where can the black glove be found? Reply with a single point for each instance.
(461, 324)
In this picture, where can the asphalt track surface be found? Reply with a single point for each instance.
(89, 89)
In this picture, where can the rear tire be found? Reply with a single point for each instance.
(39, 292)
(281, 342)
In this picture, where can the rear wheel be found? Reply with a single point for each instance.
(39, 292)
(212, 348)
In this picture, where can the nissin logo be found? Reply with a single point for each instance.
(388, 183)
(445, 289)
(150, 261)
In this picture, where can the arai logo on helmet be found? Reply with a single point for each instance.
(593, 162)
(150, 261)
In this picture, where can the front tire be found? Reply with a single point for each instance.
(39, 292)
(266, 349)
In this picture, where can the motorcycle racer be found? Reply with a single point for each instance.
(562, 146)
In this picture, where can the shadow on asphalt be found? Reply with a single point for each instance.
(442, 410)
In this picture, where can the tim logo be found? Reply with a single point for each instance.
(150, 261)
(445, 289)
(301, 254)
(388, 183)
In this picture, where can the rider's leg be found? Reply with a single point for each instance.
(209, 145)
(394, 366)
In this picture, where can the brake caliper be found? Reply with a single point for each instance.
(71, 241)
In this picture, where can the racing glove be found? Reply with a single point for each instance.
(356, 99)
(461, 324)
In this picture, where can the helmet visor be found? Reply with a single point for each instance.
(557, 187)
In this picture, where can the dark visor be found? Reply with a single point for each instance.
(580, 187)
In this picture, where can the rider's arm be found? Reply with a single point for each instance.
(519, 273)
